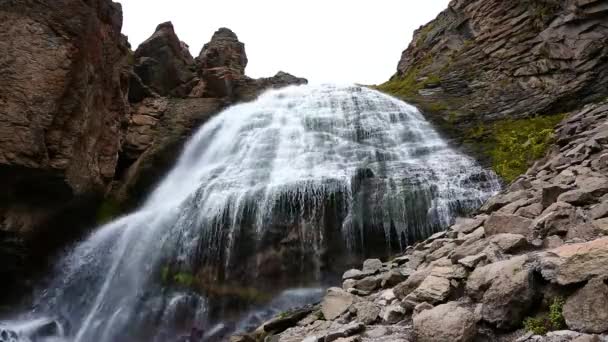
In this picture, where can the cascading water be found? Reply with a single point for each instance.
(288, 188)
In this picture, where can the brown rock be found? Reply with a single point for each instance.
(497, 224)
(575, 263)
(449, 322)
(506, 290)
(336, 302)
(587, 309)
(164, 64)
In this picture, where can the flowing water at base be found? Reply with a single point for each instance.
(281, 192)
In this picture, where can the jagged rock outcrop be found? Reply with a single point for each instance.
(471, 283)
(196, 89)
(481, 61)
(63, 103)
(163, 65)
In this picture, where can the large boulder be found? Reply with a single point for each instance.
(335, 303)
(575, 263)
(449, 322)
(506, 290)
(587, 309)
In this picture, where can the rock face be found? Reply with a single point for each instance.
(484, 276)
(163, 64)
(481, 61)
(84, 121)
(63, 106)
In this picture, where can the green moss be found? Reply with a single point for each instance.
(518, 143)
(184, 279)
(545, 323)
(424, 33)
(513, 145)
(409, 84)
(107, 211)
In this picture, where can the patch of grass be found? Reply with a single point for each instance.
(513, 145)
(424, 33)
(543, 324)
(518, 143)
(184, 279)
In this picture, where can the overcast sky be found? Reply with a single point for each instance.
(322, 40)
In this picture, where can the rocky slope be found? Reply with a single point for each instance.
(480, 62)
(87, 127)
(536, 255)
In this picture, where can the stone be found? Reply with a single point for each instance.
(577, 197)
(599, 211)
(531, 211)
(346, 331)
(353, 274)
(497, 224)
(367, 284)
(500, 200)
(509, 242)
(388, 295)
(402, 289)
(164, 64)
(450, 272)
(372, 266)
(575, 263)
(472, 261)
(349, 284)
(421, 307)
(550, 193)
(595, 186)
(392, 278)
(433, 289)
(505, 288)
(587, 309)
(393, 313)
(366, 312)
(601, 225)
(467, 225)
(449, 322)
(335, 303)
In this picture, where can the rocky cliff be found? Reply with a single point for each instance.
(482, 62)
(87, 127)
(531, 266)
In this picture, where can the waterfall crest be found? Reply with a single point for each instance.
(291, 187)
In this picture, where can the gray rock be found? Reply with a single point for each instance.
(467, 225)
(587, 309)
(505, 288)
(392, 278)
(599, 211)
(433, 289)
(501, 200)
(445, 323)
(335, 303)
(509, 242)
(372, 266)
(393, 313)
(550, 193)
(353, 274)
(366, 312)
(577, 197)
(497, 224)
(472, 261)
(367, 284)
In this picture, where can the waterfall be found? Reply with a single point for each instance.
(281, 192)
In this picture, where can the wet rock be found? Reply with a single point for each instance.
(449, 322)
(335, 303)
(587, 309)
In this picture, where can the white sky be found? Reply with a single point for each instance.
(322, 40)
